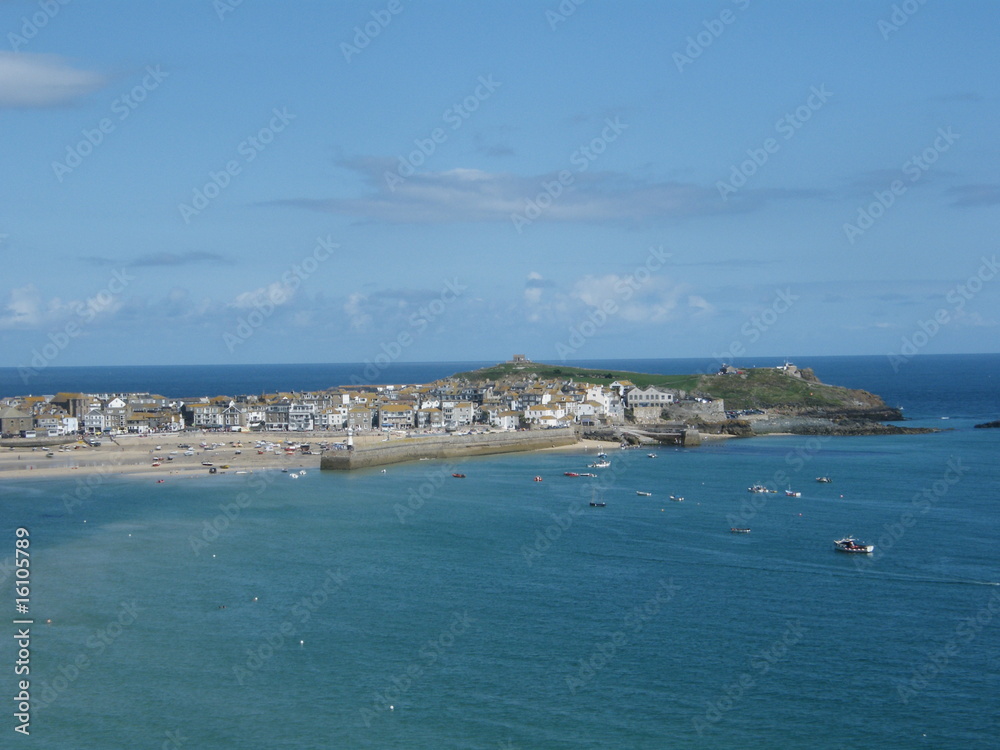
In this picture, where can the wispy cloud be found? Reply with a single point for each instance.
(160, 259)
(983, 194)
(30, 80)
(474, 195)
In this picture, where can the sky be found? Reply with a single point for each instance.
(227, 182)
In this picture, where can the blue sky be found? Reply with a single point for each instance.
(235, 182)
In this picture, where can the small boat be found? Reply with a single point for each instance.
(643, 494)
(599, 465)
(293, 476)
(738, 530)
(570, 474)
(759, 488)
(602, 454)
(159, 481)
(850, 544)
(538, 479)
(597, 504)
(791, 493)
(677, 498)
(824, 480)
(587, 474)
(459, 476)
(302, 472)
(651, 455)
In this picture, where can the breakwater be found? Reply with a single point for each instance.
(446, 446)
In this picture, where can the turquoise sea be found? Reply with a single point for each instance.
(492, 612)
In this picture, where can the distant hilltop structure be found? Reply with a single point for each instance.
(519, 359)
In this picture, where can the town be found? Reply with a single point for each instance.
(447, 405)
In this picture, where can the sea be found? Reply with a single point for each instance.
(412, 609)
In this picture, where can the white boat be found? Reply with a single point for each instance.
(599, 465)
(651, 455)
(643, 494)
(759, 488)
(677, 498)
(850, 544)
(791, 493)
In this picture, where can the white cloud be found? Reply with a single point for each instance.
(30, 80)
(276, 294)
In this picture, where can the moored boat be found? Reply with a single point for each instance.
(570, 474)
(824, 480)
(759, 488)
(599, 465)
(850, 544)
(739, 530)
(791, 493)
(459, 476)
(643, 494)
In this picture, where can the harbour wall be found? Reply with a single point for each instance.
(446, 446)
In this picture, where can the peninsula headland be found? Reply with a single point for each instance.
(513, 406)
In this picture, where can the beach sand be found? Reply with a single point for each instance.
(134, 454)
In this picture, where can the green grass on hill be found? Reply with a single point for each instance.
(507, 371)
(763, 388)
(760, 388)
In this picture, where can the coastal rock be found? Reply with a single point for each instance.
(987, 425)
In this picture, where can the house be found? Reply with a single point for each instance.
(458, 413)
(398, 416)
(651, 396)
(430, 418)
(13, 421)
(507, 420)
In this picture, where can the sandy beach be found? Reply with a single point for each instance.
(134, 455)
